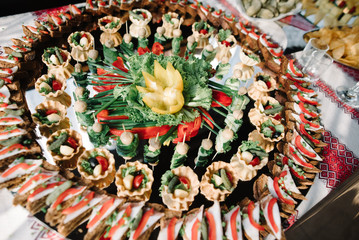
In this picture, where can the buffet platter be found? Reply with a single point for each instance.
(223, 101)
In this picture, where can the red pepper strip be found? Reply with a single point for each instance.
(17, 130)
(9, 171)
(144, 132)
(103, 116)
(70, 191)
(292, 170)
(103, 210)
(279, 194)
(121, 222)
(194, 230)
(233, 222)
(212, 226)
(2, 95)
(269, 44)
(305, 121)
(86, 200)
(271, 204)
(41, 189)
(293, 79)
(305, 133)
(188, 129)
(305, 100)
(10, 119)
(4, 105)
(142, 50)
(298, 159)
(283, 174)
(279, 54)
(103, 88)
(207, 117)
(251, 219)
(285, 160)
(304, 110)
(157, 48)
(243, 28)
(221, 97)
(171, 229)
(302, 149)
(33, 179)
(16, 146)
(303, 89)
(120, 65)
(292, 68)
(7, 80)
(143, 223)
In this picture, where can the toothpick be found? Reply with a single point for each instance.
(158, 133)
(126, 26)
(93, 115)
(184, 138)
(75, 83)
(214, 156)
(245, 85)
(152, 168)
(123, 126)
(209, 135)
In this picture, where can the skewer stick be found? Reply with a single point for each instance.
(184, 138)
(214, 156)
(158, 133)
(209, 135)
(123, 126)
(126, 26)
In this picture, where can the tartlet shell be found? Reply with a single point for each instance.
(275, 122)
(81, 53)
(181, 204)
(62, 71)
(208, 189)
(103, 180)
(144, 193)
(56, 94)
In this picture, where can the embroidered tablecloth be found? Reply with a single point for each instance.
(341, 123)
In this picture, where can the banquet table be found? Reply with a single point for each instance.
(341, 123)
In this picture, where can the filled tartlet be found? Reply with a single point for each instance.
(265, 106)
(264, 82)
(134, 181)
(58, 62)
(65, 146)
(140, 19)
(81, 43)
(50, 116)
(248, 57)
(219, 181)
(98, 166)
(201, 32)
(255, 136)
(270, 129)
(53, 89)
(179, 186)
(249, 158)
(110, 25)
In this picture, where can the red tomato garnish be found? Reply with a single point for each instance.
(256, 161)
(70, 191)
(143, 223)
(268, 107)
(251, 219)
(103, 210)
(138, 180)
(50, 111)
(8, 172)
(190, 129)
(224, 42)
(84, 35)
(271, 204)
(194, 230)
(103, 162)
(302, 149)
(212, 226)
(277, 117)
(86, 200)
(299, 159)
(203, 31)
(144, 15)
(120, 222)
(229, 176)
(233, 222)
(72, 142)
(185, 181)
(171, 229)
(279, 193)
(269, 84)
(221, 97)
(56, 85)
(273, 129)
(63, 55)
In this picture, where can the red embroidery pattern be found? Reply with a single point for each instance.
(339, 162)
(42, 232)
(354, 73)
(41, 15)
(330, 93)
(292, 219)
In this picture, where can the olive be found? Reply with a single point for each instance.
(93, 162)
(260, 77)
(137, 173)
(276, 134)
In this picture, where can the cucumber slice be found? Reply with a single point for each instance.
(136, 221)
(259, 153)
(172, 184)
(204, 229)
(59, 141)
(56, 193)
(227, 184)
(273, 110)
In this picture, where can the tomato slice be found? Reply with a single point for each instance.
(56, 85)
(171, 229)
(10, 171)
(86, 200)
(138, 180)
(50, 111)
(279, 193)
(305, 133)
(120, 222)
(271, 204)
(305, 100)
(233, 223)
(212, 226)
(302, 107)
(143, 223)
(157, 48)
(72, 142)
(304, 120)
(103, 210)
(103, 162)
(303, 89)
(298, 159)
(251, 219)
(292, 68)
(185, 181)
